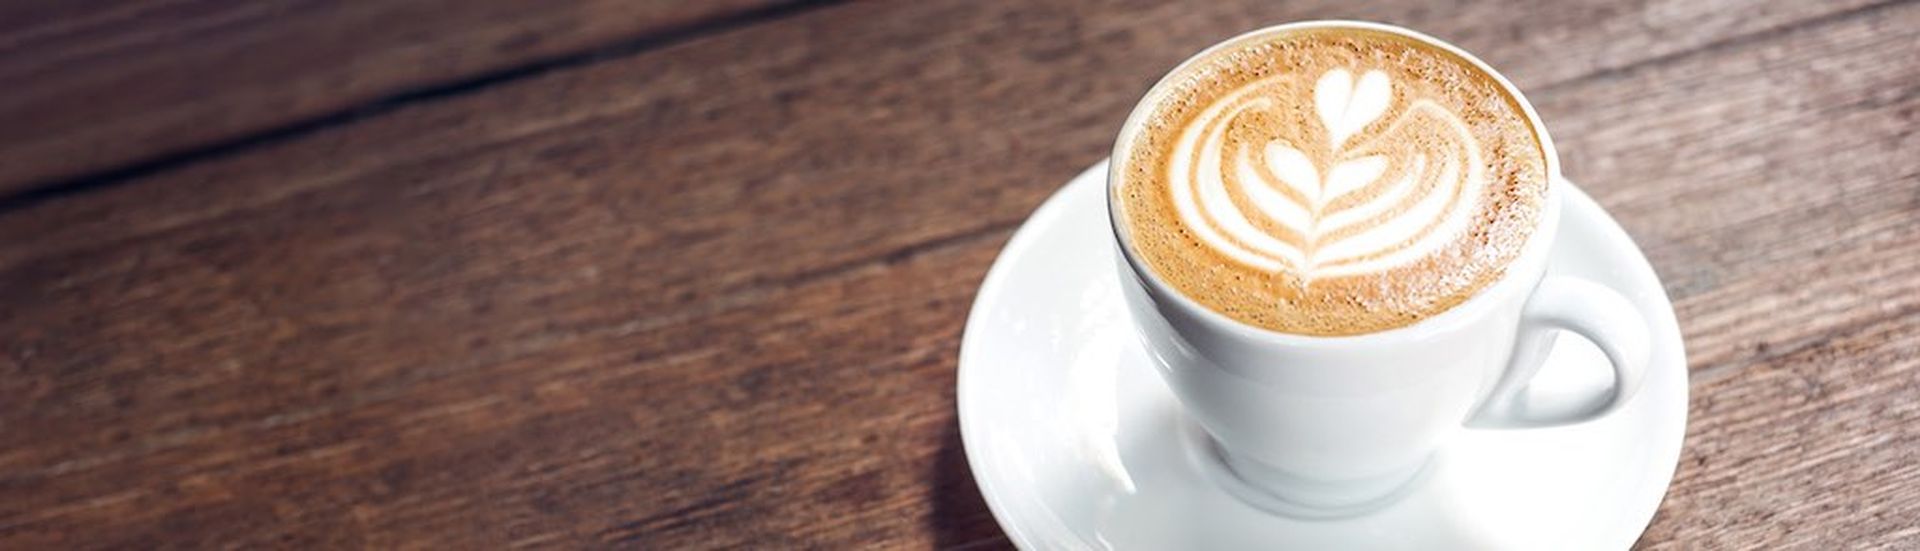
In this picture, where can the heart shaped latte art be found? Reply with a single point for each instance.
(1371, 187)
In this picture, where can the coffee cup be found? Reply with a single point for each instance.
(1340, 412)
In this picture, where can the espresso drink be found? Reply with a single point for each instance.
(1330, 181)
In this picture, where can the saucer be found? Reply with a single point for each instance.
(1077, 444)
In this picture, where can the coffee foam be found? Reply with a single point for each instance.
(1331, 182)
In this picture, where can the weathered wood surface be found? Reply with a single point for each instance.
(710, 293)
(98, 89)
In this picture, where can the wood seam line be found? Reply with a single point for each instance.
(1723, 44)
(726, 299)
(41, 192)
(1782, 351)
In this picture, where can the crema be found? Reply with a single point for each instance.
(1330, 181)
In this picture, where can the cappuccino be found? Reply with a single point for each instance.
(1329, 181)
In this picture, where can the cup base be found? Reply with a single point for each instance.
(1288, 495)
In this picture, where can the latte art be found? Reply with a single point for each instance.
(1343, 209)
(1331, 181)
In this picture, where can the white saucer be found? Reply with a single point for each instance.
(1077, 444)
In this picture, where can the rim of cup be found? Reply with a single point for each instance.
(1532, 254)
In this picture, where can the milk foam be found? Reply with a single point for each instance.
(1330, 181)
(1329, 213)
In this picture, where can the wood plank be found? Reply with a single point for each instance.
(1810, 449)
(1783, 154)
(1765, 183)
(574, 311)
(107, 84)
(598, 110)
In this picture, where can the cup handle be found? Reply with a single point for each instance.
(1595, 312)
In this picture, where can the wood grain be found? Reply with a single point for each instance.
(691, 298)
(108, 85)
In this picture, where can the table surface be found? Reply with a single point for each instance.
(584, 273)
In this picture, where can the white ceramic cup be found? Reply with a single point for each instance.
(1333, 426)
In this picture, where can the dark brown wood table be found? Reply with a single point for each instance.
(597, 273)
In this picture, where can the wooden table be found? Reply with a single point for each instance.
(597, 273)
